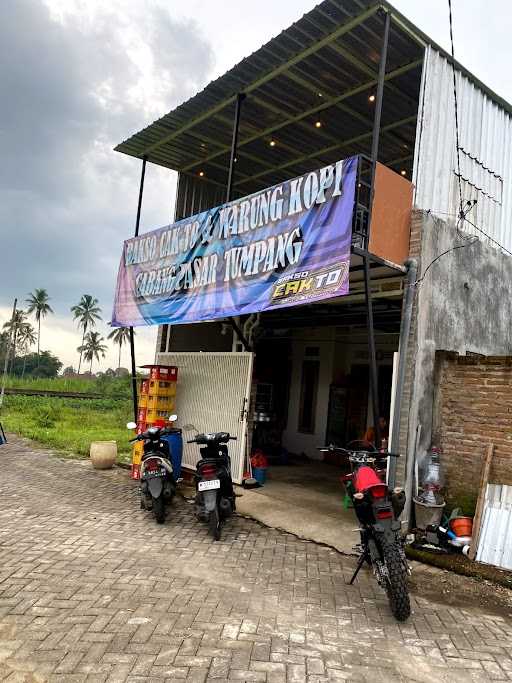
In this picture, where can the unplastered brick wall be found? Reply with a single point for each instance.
(473, 408)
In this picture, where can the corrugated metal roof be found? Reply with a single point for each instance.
(322, 68)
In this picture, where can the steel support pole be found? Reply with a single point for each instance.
(372, 353)
(132, 336)
(405, 330)
(229, 188)
(374, 375)
(234, 144)
(8, 353)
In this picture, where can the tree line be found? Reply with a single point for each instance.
(19, 336)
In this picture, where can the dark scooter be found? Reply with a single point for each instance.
(215, 497)
(378, 510)
(157, 481)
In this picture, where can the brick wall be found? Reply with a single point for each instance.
(473, 408)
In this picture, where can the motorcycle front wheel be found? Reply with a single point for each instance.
(396, 585)
(159, 509)
(214, 523)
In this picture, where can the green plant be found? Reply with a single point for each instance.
(46, 414)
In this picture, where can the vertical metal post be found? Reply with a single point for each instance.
(372, 353)
(378, 105)
(229, 188)
(234, 143)
(405, 330)
(374, 375)
(132, 336)
(8, 353)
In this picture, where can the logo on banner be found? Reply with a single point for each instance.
(299, 287)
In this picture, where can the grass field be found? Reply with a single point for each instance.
(69, 425)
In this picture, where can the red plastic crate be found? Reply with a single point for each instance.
(167, 373)
(135, 472)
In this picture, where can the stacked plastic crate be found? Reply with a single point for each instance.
(157, 401)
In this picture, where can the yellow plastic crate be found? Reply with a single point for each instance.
(160, 402)
(143, 401)
(137, 452)
(161, 388)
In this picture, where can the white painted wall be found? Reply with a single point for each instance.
(293, 440)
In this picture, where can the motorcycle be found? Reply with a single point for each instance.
(378, 510)
(157, 481)
(215, 497)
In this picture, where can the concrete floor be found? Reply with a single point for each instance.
(305, 499)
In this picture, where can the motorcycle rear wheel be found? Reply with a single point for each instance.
(214, 523)
(396, 586)
(159, 509)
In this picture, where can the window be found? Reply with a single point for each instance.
(308, 396)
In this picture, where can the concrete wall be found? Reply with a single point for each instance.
(463, 304)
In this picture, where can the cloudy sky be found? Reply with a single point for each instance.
(78, 76)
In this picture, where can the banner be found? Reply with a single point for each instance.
(283, 246)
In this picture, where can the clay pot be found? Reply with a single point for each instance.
(103, 454)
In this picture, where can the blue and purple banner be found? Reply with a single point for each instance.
(284, 246)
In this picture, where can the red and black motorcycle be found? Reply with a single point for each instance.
(378, 510)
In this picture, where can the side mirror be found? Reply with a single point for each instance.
(172, 418)
(131, 425)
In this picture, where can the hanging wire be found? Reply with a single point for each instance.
(462, 214)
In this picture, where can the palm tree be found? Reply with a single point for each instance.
(120, 335)
(92, 347)
(87, 312)
(38, 302)
(13, 327)
(26, 338)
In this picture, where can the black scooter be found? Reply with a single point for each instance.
(215, 497)
(157, 481)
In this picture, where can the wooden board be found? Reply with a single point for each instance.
(481, 501)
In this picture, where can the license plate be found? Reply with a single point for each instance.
(152, 473)
(208, 485)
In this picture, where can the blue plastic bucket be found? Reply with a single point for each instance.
(175, 442)
(260, 474)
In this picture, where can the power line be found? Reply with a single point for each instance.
(457, 145)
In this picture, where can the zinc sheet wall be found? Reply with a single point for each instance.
(485, 133)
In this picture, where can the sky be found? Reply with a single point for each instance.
(79, 76)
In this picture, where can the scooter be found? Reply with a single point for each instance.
(215, 497)
(157, 481)
(378, 510)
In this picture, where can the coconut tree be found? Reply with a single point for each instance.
(38, 303)
(120, 336)
(26, 338)
(13, 327)
(92, 347)
(87, 312)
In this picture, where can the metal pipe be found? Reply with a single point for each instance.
(234, 143)
(372, 354)
(132, 335)
(8, 352)
(403, 343)
(374, 379)
(229, 188)
(378, 105)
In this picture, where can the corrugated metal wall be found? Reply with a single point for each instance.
(195, 195)
(485, 133)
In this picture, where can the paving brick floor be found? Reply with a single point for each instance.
(91, 589)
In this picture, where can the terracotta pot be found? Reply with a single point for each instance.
(462, 526)
(103, 454)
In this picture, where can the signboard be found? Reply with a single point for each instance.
(283, 246)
